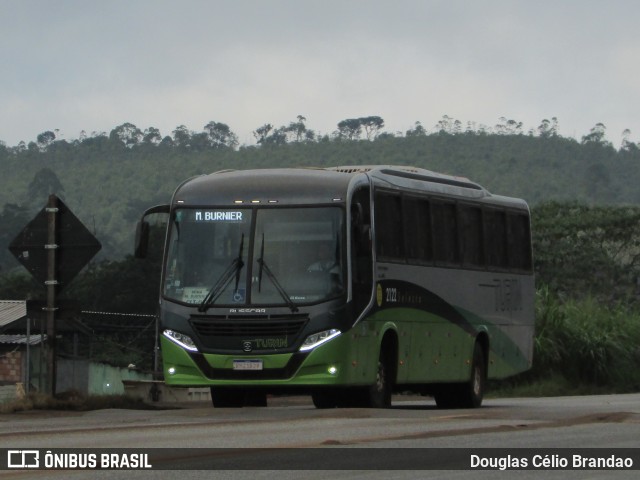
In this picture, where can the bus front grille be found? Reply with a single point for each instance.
(267, 332)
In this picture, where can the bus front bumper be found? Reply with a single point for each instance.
(325, 365)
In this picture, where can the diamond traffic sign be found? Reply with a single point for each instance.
(75, 245)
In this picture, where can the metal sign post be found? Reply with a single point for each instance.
(51, 284)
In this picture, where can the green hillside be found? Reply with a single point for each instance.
(109, 180)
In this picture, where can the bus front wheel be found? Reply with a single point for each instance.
(379, 394)
(224, 397)
(325, 399)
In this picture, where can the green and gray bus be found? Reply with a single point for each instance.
(345, 283)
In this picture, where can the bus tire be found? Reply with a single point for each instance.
(324, 399)
(222, 397)
(472, 392)
(379, 394)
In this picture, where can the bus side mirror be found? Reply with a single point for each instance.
(142, 239)
(142, 230)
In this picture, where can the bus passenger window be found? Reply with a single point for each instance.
(495, 229)
(471, 236)
(417, 226)
(388, 215)
(519, 242)
(445, 233)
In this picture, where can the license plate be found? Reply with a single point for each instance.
(247, 364)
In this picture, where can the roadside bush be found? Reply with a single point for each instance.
(586, 342)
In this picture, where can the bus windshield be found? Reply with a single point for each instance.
(277, 256)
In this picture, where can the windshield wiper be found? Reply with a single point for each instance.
(264, 267)
(234, 268)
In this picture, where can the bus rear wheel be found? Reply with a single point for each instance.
(470, 393)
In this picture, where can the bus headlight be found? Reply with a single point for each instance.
(312, 341)
(185, 341)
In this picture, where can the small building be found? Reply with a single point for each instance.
(21, 359)
(20, 363)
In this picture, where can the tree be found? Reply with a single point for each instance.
(220, 135)
(152, 136)
(45, 139)
(596, 135)
(372, 125)
(417, 131)
(350, 129)
(278, 136)
(182, 136)
(508, 127)
(626, 144)
(128, 134)
(261, 133)
(167, 142)
(548, 128)
(447, 124)
(297, 131)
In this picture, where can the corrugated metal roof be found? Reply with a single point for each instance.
(21, 339)
(12, 310)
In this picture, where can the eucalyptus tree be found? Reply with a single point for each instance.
(350, 129)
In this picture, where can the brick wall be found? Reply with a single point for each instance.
(11, 367)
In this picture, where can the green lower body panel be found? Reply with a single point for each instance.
(327, 365)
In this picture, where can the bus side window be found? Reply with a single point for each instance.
(495, 231)
(471, 236)
(388, 226)
(445, 233)
(417, 230)
(519, 243)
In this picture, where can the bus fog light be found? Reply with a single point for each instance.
(316, 339)
(332, 370)
(185, 341)
(172, 371)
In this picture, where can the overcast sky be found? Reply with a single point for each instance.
(93, 65)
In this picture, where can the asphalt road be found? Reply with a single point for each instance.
(611, 421)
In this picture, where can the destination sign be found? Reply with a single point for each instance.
(218, 216)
